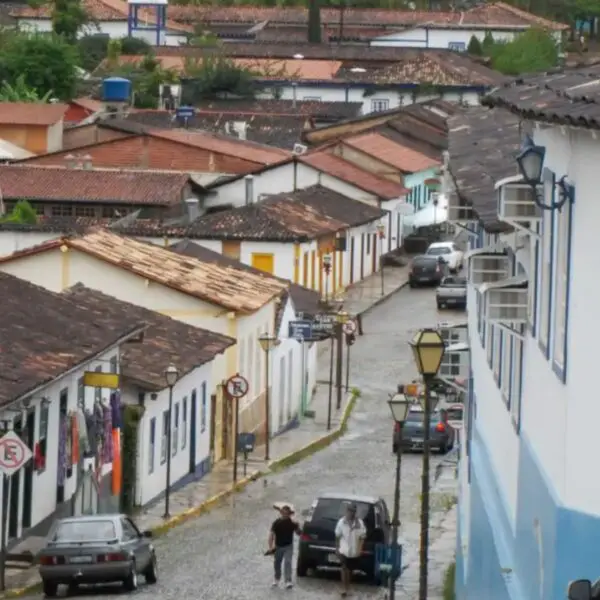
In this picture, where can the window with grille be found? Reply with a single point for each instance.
(61, 210)
(380, 105)
(85, 211)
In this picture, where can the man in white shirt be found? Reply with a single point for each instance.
(350, 533)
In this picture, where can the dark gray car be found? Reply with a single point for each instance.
(441, 435)
(96, 549)
(427, 270)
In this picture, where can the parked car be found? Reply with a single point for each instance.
(317, 542)
(452, 293)
(441, 435)
(96, 549)
(427, 270)
(449, 252)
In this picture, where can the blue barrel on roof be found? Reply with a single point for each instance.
(116, 89)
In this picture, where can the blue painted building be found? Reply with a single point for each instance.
(419, 195)
(529, 508)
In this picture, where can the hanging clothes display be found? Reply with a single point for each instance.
(117, 475)
(90, 421)
(62, 451)
(107, 454)
(82, 427)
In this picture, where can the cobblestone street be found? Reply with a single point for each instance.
(219, 556)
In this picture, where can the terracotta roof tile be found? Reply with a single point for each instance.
(89, 104)
(31, 113)
(386, 150)
(230, 288)
(94, 185)
(305, 214)
(40, 345)
(244, 149)
(336, 167)
(165, 340)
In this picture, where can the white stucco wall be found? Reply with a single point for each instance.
(439, 38)
(152, 482)
(45, 482)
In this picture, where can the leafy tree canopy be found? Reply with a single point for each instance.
(474, 46)
(19, 91)
(23, 213)
(93, 49)
(44, 63)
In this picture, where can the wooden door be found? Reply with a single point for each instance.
(305, 270)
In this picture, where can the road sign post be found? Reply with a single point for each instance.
(456, 412)
(236, 387)
(14, 453)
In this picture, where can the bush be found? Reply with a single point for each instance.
(474, 46)
(93, 49)
(488, 43)
(533, 51)
(449, 582)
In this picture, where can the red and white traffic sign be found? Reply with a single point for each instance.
(14, 453)
(349, 327)
(456, 423)
(236, 386)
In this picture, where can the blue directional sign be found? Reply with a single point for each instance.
(300, 330)
(185, 112)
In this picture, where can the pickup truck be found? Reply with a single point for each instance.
(452, 292)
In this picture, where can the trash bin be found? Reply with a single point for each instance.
(388, 562)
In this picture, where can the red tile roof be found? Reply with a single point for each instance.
(350, 173)
(88, 103)
(392, 153)
(250, 151)
(94, 185)
(31, 113)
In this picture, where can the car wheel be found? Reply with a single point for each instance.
(131, 583)
(151, 573)
(50, 589)
(301, 568)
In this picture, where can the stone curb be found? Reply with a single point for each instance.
(276, 465)
(382, 299)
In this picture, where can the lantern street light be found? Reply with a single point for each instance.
(171, 377)
(267, 343)
(399, 405)
(428, 350)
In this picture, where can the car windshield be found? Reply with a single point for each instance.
(424, 261)
(455, 282)
(416, 416)
(84, 531)
(333, 509)
(439, 250)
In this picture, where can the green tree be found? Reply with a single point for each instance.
(532, 51)
(314, 22)
(19, 91)
(46, 63)
(474, 46)
(23, 213)
(488, 43)
(93, 49)
(68, 18)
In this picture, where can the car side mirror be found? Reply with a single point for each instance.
(147, 533)
(580, 590)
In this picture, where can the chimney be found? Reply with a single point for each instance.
(87, 162)
(295, 94)
(193, 208)
(249, 179)
(70, 161)
(240, 128)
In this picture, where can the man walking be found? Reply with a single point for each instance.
(281, 544)
(350, 533)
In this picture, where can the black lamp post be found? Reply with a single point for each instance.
(171, 377)
(399, 405)
(428, 349)
(267, 343)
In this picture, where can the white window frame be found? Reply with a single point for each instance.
(163, 437)
(184, 421)
(497, 356)
(545, 270)
(457, 46)
(378, 102)
(489, 341)
(175, 432)
(562, 239)
(151, 445)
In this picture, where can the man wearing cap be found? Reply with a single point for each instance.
(281, 544)
(350, 533)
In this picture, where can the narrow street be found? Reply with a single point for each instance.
(220, 556)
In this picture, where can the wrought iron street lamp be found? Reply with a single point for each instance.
(267, 343)
(428, 350)
(399, 405)
(171, 377)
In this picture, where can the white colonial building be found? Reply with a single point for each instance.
(529, 510)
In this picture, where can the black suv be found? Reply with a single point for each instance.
(317, 542)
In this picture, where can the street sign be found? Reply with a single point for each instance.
(236, 386)
(14, 453)
(323, 323)
(455, 416)
(97, 379)
(349, 327)
(300, 330)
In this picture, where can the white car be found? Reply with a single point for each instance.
(452, 256)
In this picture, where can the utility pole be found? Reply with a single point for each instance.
(329, 403)
(339, 363)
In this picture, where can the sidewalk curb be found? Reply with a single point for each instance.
(382, 299)
(276, 465)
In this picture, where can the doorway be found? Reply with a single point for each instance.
(193, 419)
(213, 428)
(362, 255)
(28, 470)
(351, 260)
(281, 392)
(226, 426)
(62, 475)
(375, 248)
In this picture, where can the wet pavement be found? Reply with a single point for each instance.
(220, 555)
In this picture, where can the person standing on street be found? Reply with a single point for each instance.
(350, 533)
(281, 544)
